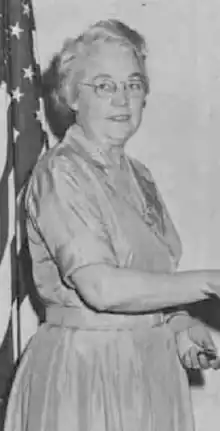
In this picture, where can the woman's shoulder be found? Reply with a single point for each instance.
(59, 158)
(54, 169)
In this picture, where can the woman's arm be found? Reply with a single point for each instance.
(119, 290)
(65, 217)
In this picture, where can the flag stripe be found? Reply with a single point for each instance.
(25, 140)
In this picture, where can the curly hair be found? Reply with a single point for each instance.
(60, 80)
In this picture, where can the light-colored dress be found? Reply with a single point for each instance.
(85, 370)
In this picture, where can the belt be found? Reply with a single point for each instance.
(86, 319)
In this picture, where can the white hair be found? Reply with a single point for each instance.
(68, 65)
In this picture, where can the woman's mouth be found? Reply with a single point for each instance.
(120, 118)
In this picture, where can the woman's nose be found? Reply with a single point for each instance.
(121, 95)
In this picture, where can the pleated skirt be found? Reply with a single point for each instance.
(100, 380)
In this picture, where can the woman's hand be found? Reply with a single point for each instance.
(196, 348)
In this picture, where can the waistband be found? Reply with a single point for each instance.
(86, 319)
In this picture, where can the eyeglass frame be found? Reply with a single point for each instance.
(116, 86)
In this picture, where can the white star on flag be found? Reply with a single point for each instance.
(16, 133)
(16, 30)
(17, 95)
(23, 141)
(28, 73)
(26, 9)
(38, 115)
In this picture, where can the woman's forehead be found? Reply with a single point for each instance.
(111, 59)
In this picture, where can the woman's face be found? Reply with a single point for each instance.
(110, 119)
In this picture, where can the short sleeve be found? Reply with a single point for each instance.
(62, 208)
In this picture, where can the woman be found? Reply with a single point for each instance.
(112, 353)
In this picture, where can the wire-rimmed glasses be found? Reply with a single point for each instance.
(106, 88)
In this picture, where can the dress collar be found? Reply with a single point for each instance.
(112, 157)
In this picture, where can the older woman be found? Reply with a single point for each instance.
(112, 352)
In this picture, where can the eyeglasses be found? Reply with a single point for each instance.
(107, 88)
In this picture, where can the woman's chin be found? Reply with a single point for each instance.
(119, 137)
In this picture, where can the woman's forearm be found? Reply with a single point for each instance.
(128, 291)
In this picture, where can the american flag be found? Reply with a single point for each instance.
(24, 141)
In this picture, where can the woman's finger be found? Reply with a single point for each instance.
(203, 360)
(191, 359)
(187, 361)
(195, 358)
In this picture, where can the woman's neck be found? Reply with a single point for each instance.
(106, 150)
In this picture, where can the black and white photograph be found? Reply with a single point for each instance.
(109, 215)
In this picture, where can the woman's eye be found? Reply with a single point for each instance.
(137, 85)
(105, 86)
